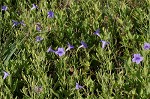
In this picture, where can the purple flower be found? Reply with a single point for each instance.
(15, 23)
(4, 8)
(5, 74)
(60, 51)
(97, 32)
(50, 50)
(69, 47)
(146, 46)
(38, 27)
(34, 6)
(137, 58)
(83, 44)
(50, 14)
(78, 86)
(104, 43)
(38, 38)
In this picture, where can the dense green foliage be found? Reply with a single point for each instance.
(105, 73)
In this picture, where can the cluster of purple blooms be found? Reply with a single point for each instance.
(137, 58)
(61, 51)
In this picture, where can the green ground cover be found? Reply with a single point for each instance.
(75, 49)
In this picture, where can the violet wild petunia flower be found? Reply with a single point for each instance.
(50, 14)
(15, 23)
(104, 43)
(83, 44)
(34, 6)
(60, 51)
(78, 86)
(97, 32)
(137, 58)
(5, 74)
(38, 27)
(4, 8)
(38, 38)
(146, 46)
(69, 47)
(50, 50)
